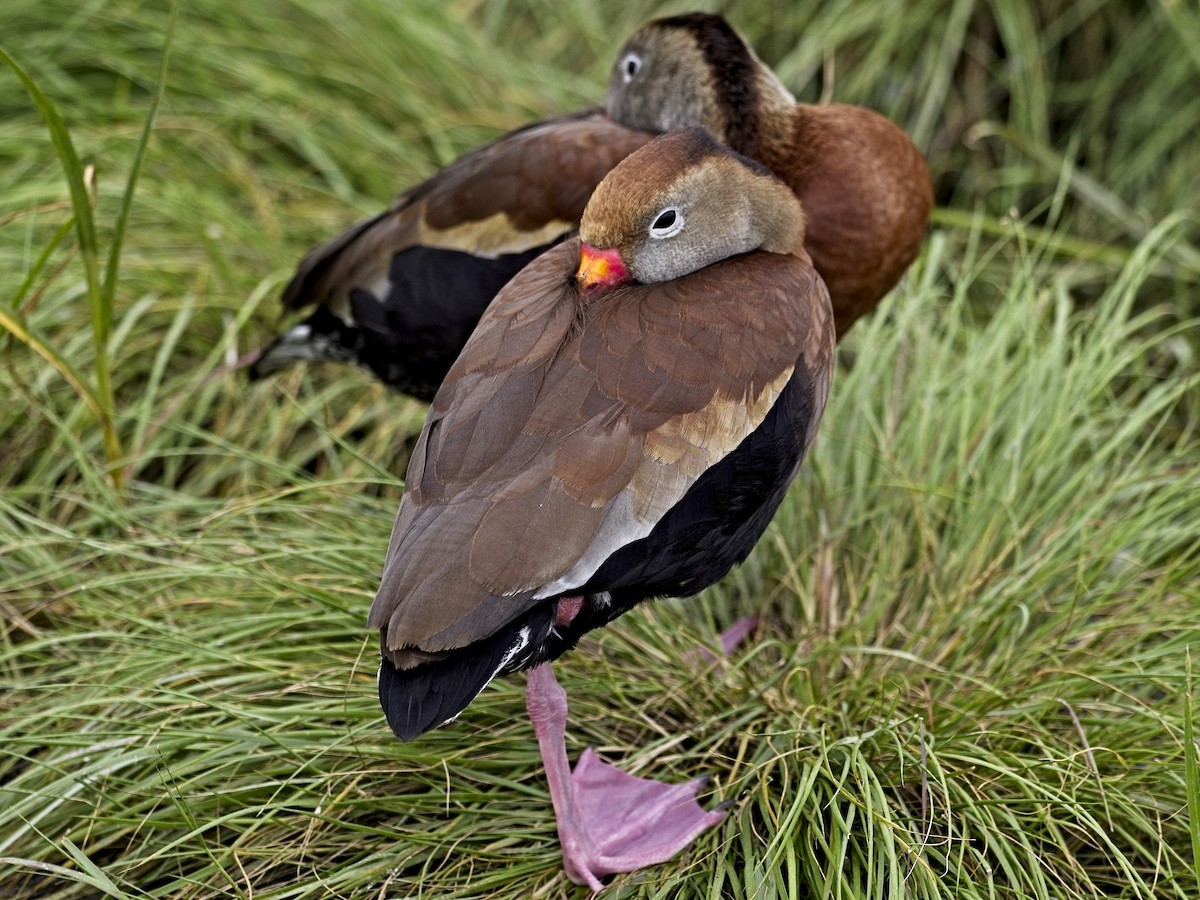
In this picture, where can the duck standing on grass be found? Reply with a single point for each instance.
(400, 293)
(621, 426)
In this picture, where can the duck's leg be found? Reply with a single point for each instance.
(608, 821)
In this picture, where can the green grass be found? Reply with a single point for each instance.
(980, 602)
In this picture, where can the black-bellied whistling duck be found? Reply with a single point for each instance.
(622, 425)
(400, 293)
(863, 184)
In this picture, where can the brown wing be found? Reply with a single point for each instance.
(562, 434)
(523, 190)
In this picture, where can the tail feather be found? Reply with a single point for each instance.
(320, 337)
(418, 699)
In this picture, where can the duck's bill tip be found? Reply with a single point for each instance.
(599, 269)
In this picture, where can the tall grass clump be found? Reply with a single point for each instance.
(978, 605)
(100, 292)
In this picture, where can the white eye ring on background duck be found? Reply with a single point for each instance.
(630, 66)
(667, 223)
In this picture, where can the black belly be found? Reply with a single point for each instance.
(435, 300)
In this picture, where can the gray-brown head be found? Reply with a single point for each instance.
(678, 204)
(695, 69)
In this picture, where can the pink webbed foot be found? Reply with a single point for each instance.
(608, 821)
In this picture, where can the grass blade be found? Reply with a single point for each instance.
(1191, 756)
(18, 329)
(101, 400)
(108, 291)
(40, 263)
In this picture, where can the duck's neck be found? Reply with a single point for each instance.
(761, 127)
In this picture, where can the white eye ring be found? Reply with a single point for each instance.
(630, 66)
(667, 223)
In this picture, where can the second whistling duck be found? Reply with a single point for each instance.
(400, 293)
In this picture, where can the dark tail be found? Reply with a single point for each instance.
(320, 337)
(419, 699)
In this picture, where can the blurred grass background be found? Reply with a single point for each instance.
(979, 600)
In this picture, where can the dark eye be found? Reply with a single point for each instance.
(667, 222)
(630, 66)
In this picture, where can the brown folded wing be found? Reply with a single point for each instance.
(523, 190)
(564, 431)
